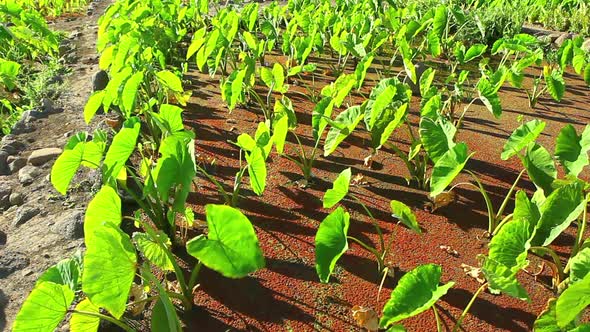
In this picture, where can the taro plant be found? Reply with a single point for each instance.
(537, 222)
(102, 285)
(255, 151)
(416, 292)
(385, 111)
(332, 236)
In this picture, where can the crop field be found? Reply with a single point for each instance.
(303, 165)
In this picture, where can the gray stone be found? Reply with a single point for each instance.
(561, 39)
(4, 169)
(16, 199)
(100, 80)
(75, 34)
(5, 191)
(11, 146)
(16, 164)
(70, 225)
(554, 36)
(25, 124)
(47, 105)
(41, 156)
(28, 174)
(24, 214)
(11, 261)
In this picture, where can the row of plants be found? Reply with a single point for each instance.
(28, 60)
(149, 156)
(305, 29)
(50, 8)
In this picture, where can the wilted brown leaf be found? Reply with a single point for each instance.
(366, 318)
(474, 272)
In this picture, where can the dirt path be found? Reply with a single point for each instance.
(39, 227)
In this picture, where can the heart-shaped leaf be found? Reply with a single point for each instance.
(331, 242)
(109, 268)
(447, 168)
(521, 137)
(44, 308)
(231, 246)
(415, 292)
(403, 212)
(339, 189)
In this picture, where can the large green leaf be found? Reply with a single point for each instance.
(170, 81)
(540, 167)
(447, 168)
(403, 212)
(231, 247)
(437, 137)
(121, 148)
(104, 207)
(44, 308)
(77, 152)
(521, 137)
(321, 112)
(572, 301)
(331, 242)
(560, 208)
(547, 320)
(489, 97)
(474, 51)
(502, 278)
(82, 322)
(257, 170)
(339, 189)
(580, 265)
(345, 124)
(109, 269)
(525, 210)
(65, 272)
(554, 82)
(151, 249)
(572, 149)
(129, 94)
(415, 292)
(510, 246)
(175, 171)
(93, 104)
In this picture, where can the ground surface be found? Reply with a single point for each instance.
(49, 225)
(287, 294)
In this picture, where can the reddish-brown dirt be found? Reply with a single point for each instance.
(287, 294)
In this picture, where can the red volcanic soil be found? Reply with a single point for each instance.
(287, 294)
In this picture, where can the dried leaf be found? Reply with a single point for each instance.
(474, 272)
(137, 294)
(443, 199)
(358, 179)
(449, 250)
(366, 318)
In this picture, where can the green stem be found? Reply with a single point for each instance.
(216, 183)
(437, 318)
(466, 310)
(502, 223)
(370, 249)
(507, 198)
(377, 228)
(194, 275)
(581, 229)
(177, 270)
(489, 206)
(105, 317)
